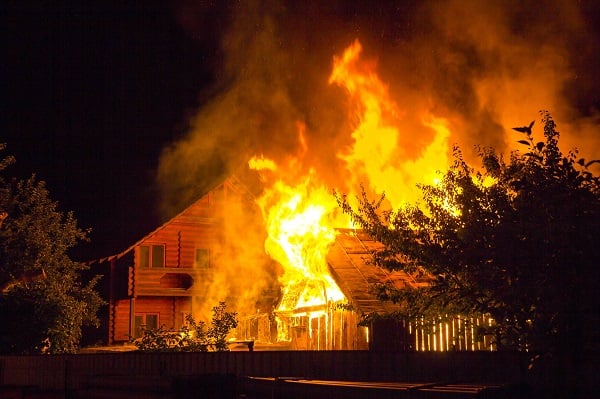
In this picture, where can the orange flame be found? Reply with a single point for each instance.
(300, 218)
(300, 231)
(377, 157)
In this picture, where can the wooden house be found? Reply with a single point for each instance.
(208, 253)
(171, 272)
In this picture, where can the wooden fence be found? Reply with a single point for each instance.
(452, 334)
(72, 372)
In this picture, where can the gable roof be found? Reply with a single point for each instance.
(232, 183)
(349, 262)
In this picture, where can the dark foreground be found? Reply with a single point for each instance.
(232, 387)
(297, 374)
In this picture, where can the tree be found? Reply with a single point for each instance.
(43, 303)
(517, 241)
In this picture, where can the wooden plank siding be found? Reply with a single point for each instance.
(168, 290)
(121, 325)
(169, 309)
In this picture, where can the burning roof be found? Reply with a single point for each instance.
(349, 259)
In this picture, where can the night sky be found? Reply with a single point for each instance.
(94, 91)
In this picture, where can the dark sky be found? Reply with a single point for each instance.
(94, 91)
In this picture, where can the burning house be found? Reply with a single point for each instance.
(284, 256)
(313, 110)
(300, 290)
(187, 265)
(173, 271)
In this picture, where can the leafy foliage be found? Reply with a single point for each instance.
(516, 240)
(192, 337)
(44, 303)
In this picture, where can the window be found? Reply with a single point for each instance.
(145, 321)
(202, 259)
(152, 255)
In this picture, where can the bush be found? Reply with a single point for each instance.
(193, 337)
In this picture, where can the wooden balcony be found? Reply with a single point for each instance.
(170, 282)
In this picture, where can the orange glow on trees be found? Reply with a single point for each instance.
(506, 242)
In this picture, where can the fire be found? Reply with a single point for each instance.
(300, 231)
(262, 163)
(377, 157)
(301, 215)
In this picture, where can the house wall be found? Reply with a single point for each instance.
(171, 312)
(168, 290)
(120, 327)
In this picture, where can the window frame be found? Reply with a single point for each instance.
(197, 264)
(138, 330)
(147, 256)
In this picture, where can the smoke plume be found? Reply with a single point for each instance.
(480, 67)
(483, 66)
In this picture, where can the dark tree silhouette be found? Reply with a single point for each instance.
(43, 303)
(517, 241)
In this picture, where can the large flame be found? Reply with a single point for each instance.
(301, 214)
(377, 157)
(441, 78)
(300, 230)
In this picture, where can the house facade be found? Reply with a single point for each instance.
(170, 272)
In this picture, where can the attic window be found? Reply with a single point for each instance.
(202, 258)
(152, 256)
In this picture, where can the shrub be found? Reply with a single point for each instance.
(193, 337)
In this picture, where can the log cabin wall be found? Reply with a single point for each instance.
(120, 327)
(152, 283)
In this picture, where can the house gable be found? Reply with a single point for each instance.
(163, 272)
